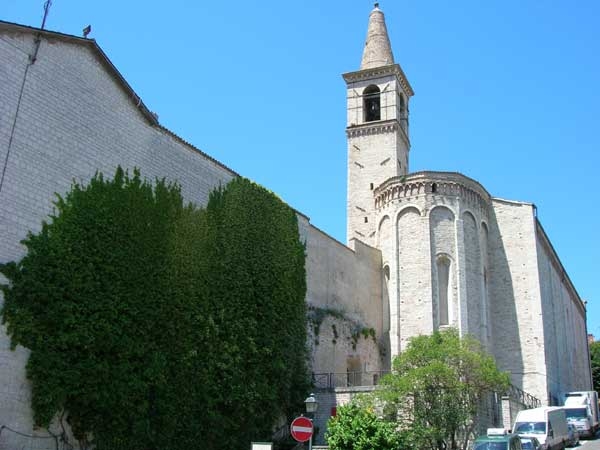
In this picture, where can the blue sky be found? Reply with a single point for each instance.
(506, 92)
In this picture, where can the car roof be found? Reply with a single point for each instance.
(495, 438)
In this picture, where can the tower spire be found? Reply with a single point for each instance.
(378, 51)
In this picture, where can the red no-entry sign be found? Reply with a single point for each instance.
(301, 429)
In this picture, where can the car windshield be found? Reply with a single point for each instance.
(576, 413)
(490, 445)
(527, 444)
(530, 427)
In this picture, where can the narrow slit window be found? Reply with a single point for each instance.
(443, 272)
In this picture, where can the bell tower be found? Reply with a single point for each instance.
(377, 127)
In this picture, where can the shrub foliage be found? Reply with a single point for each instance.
(357, 427)
(157, 325)
(438, 386)
(595, 363)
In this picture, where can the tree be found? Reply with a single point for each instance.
(156, 325)
(595, 362)
(438, 385)
(357, 427)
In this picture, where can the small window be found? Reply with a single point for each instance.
(401, 105)
(443, 273)
(371, 186)
(366, 220)
(372, 103)
(434, 188)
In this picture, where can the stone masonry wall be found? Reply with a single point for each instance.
(442, 226)
(564, 326)
(376, 151)
(473, 273)
(348, 282)
(73, 120)
(518, 333)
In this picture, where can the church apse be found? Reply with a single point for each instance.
(440, 265)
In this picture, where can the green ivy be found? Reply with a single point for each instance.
(156, 325)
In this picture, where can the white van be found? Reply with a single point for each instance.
(581, 409)
(548, 424)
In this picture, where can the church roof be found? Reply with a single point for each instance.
(378, 51)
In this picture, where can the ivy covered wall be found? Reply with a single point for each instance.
(156, 325)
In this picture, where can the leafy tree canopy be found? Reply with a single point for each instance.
(595, 360)
(156, 325)
(437, 386)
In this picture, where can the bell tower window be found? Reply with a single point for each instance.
(372, 103)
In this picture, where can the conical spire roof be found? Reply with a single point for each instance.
(378, 51)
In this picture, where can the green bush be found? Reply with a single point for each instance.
(357, 427)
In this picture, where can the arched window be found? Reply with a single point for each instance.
(443, 273)
(372, 103)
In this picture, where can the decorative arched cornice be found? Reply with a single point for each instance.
(436, 184)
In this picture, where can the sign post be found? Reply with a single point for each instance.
(302, 430)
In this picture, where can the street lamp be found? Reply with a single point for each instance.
(311, 408)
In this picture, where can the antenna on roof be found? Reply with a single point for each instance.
(47, 6)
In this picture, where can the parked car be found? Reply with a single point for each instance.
(573, 434)
(530, 443)
(497, 439)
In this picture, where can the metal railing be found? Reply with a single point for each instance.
(331, 380)
(523, 397)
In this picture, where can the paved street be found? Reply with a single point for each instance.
(589, 444)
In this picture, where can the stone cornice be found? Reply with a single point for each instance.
(432, 183)
(376, 127)
(392, 69)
